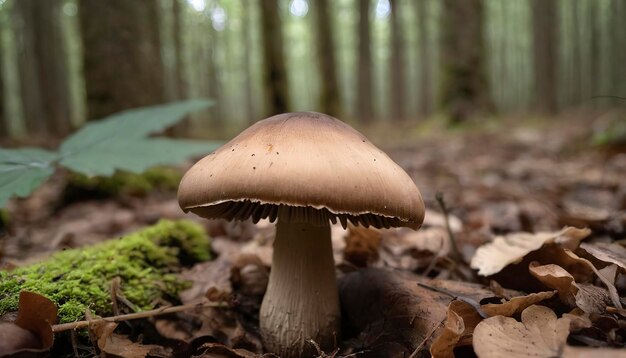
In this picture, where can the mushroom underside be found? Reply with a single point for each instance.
(245, 209)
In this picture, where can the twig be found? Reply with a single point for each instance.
(127, 317)
(470, 301)
(429, 336)
(455, 250)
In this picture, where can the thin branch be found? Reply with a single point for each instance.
(455, 250)
(127, 317)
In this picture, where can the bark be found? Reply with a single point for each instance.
(180, 87)
(464, 88)
(545, 27)
(364, 75)
(396, 70)
(275, 71)
(247, 58)
(329, 91)
(121, 55)
(425, 82)
(301, 302)
(43, 68)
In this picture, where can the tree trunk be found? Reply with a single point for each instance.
(4, 125)
(121, 55)
(464, 89)
(396, 70)
(180, 87)
(329, 91)
(247, 64)
(364, 75)
(545, 27)
(275, 72)
(425, 82)
(43, 68)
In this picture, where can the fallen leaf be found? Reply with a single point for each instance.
(14, 338)
(216, 350)
(458, 329)
(362, 245)
(596, 352)
(611, 253)
(491, 258)
(609, 285)
(540, 334)
(382, 306)
(589, 298)
(516, 304)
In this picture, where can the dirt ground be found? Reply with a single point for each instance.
(521, 265)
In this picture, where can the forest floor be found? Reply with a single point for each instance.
(514, 195)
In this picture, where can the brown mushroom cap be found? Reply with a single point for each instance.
(310, 167)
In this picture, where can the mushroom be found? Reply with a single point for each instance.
(304, 170)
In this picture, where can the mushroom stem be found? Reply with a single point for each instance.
(301, 302)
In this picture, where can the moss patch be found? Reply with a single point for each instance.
(80, 186)
(146, 261)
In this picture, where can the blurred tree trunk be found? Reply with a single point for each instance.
(121, 55)
(180, 90)
(329, 91)
(425, 85)
(43, 67)
(364, 75)
(216, 112)
(247, 62)
(396, 70)
(180, 87)
(4, 124)
(464, 88)
(275, 72)
(545, 32)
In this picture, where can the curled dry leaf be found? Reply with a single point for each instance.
(460, 323)
(609, 285)
(540, 334)
(516, 304)
(491, 258)
(216, 350)
(385, 307)
(611, 253)
(14, 338)
(589, 298)
(362, 245)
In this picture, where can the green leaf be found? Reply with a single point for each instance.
(23, 170)
(137, 156)
(128, 125)
(119, 141)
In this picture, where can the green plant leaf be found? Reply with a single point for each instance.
(119, 141)
(127, 125)
(136, 155)
(23, 170)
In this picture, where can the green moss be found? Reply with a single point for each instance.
(146, 262)
(122, 183)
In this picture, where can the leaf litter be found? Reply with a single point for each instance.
(539, 226)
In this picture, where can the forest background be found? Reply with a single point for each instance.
(64, 62)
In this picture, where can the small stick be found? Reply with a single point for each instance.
(470, 301)
(429, 336)
(126, 317)
(455, 250)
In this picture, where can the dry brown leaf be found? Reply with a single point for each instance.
(216, 350)
(443, 346)
(611, 253)
(362, 245)
(609, 285)
(14, 338)
(585, 352)
(516, 304)
(589, 298)
(540, 334)
(555, 277)
(457, 331)
(117, 345)
(491, 258)
(388, 307)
